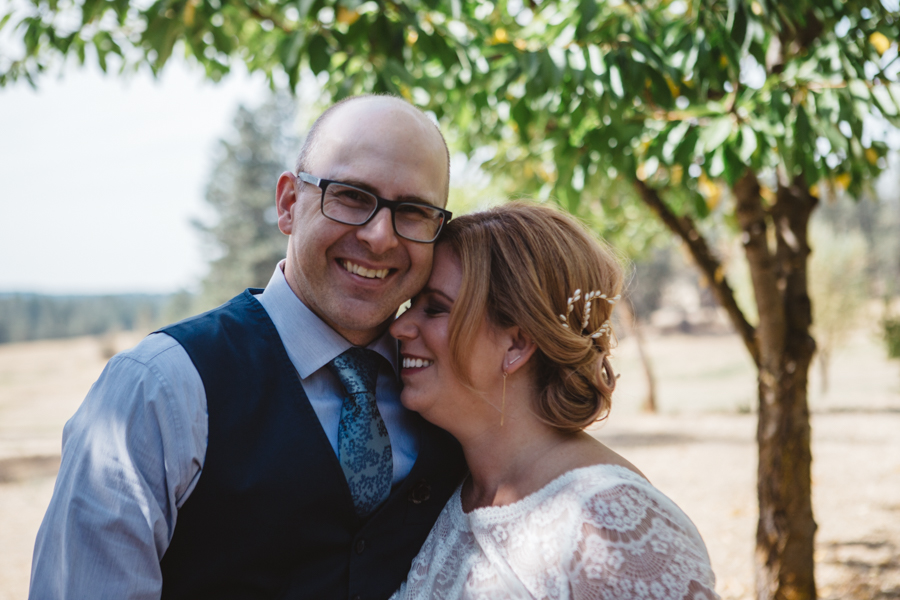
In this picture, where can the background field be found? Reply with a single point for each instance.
(700, 450)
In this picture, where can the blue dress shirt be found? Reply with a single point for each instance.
(134, 451)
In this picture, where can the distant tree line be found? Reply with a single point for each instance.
(25, 317)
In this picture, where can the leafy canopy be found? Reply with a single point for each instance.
(568, 93)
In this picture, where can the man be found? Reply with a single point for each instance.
(260, 450)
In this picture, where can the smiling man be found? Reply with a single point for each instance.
(260, 450)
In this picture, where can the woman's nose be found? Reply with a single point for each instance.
(403, 328)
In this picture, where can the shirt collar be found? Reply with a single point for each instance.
(310, 342)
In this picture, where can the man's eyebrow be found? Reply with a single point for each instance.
(372, 190)
(437, 292)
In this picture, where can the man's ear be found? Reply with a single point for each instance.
(285, 198)
(521, 347)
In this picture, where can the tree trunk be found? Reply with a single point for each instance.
(824, 367)
(786, 528)
(782, 348)
(634, 327)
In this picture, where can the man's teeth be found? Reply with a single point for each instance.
(364, 272)
(415, 363)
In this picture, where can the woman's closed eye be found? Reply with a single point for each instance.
(434, 309)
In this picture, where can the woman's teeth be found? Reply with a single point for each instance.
(415, 363)
(364, 272)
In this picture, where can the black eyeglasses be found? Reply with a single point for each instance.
(414, 221)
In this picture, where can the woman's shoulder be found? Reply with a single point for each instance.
(616, 498)
(634, 536)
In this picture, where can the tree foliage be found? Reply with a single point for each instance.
(567, 88)
(26, 317)
(241, 192)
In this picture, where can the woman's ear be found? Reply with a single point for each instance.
(519, 350)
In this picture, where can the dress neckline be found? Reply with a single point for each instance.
(523, 505)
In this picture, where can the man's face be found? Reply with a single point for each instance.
(354, 278)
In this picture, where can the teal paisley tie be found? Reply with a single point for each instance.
(364, 448)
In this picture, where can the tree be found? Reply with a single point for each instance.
(838, 286)
(701, 107)
(241, 191)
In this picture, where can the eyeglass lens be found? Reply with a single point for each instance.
(353, 206)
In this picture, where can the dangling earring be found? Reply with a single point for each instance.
(503, 398)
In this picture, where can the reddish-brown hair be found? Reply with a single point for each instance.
(520, 263)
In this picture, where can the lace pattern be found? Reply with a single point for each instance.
(596, 533)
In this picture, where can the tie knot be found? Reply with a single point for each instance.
(357, 370)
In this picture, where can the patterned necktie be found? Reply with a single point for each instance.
(364, 448)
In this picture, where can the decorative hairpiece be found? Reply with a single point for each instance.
(588, 299)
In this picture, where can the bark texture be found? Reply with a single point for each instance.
(776, 248)
(633, 325)
(786, 529)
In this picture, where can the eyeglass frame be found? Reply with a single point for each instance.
(380, 203)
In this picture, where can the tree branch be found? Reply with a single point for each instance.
(684, 228)
(751, 216)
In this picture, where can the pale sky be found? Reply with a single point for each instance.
(100, 177)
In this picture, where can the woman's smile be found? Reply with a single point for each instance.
(411, 362)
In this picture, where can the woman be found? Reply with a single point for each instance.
(507, 348)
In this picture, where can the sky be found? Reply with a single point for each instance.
(101, 176)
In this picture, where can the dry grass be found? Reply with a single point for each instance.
(700, 450)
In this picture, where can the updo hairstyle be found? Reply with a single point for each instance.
(520, 264)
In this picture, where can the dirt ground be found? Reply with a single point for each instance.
(699, 449)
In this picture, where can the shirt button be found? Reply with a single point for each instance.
(360, 547)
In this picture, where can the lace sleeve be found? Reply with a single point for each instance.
(636, 543)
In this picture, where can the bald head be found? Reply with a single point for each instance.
(391, 149)
(393, 116)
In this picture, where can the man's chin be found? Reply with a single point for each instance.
(361, 326)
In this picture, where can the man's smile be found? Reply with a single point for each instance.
(363, 271)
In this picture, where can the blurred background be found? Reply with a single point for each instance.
(133, 195)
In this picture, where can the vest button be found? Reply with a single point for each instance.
(356, 597)
(360, 546)
(420, 492)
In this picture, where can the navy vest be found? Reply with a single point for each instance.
(271, 516)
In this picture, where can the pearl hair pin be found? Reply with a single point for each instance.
(588, 300)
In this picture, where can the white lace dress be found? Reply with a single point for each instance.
(598, 532)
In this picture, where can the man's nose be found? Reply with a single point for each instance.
(379, 233)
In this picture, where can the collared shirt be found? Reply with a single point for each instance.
(134, 451)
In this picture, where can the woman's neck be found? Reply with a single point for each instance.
(510, 462)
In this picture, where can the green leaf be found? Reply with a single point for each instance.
(659, 88)
(716, 132)
(615, 81)
(748, 143)
(734, 167)
(698, 204)
(319, 55)
(521, 114)
(737, 22)
(303, 7)
(5, 20)
(716, 162)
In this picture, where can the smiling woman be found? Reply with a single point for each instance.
(507, 348)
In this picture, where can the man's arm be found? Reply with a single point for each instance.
(131, 456)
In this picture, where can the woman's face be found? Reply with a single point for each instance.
(430, 386)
